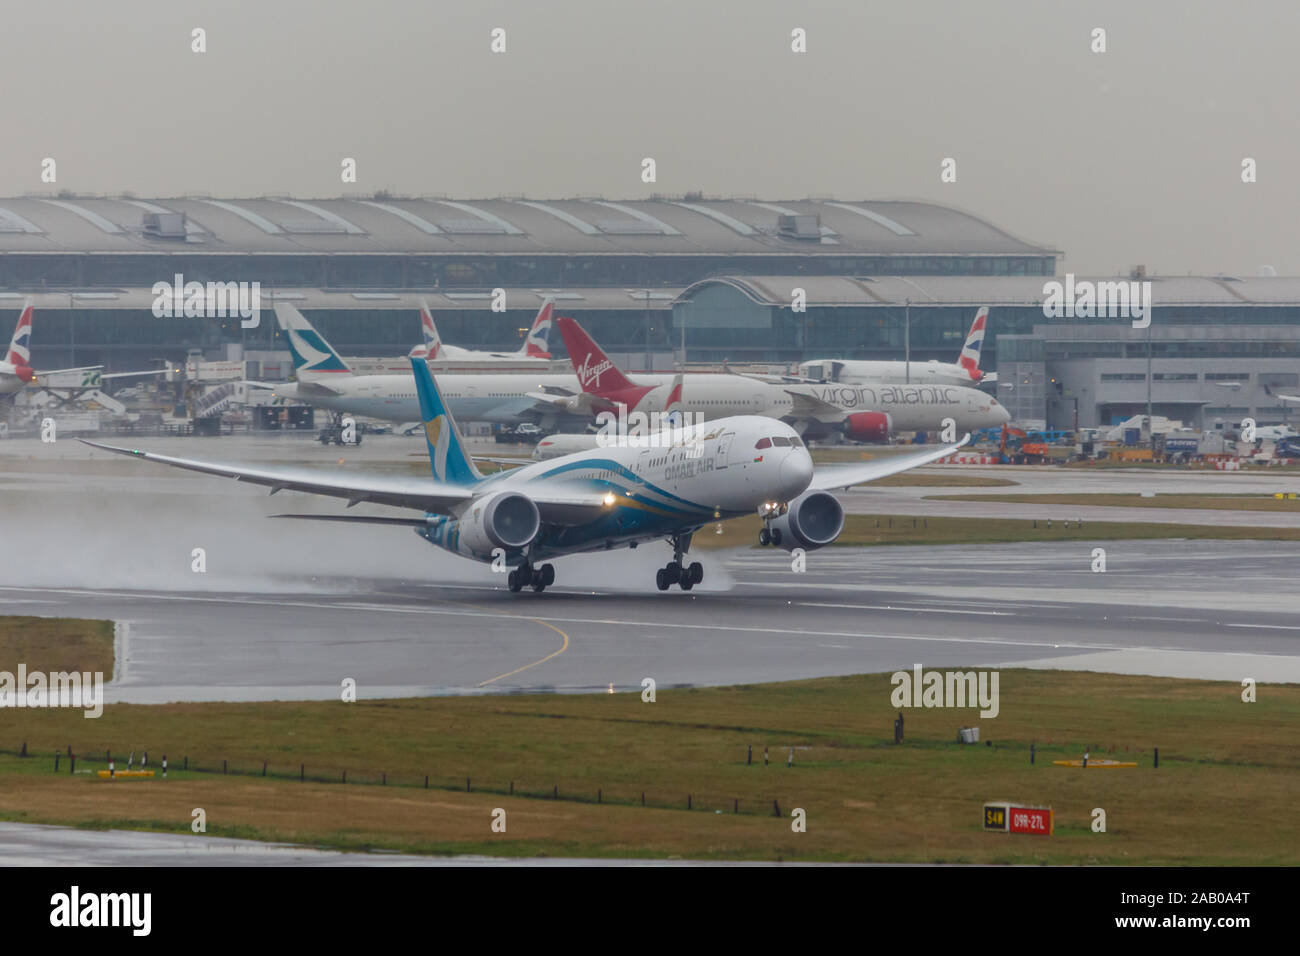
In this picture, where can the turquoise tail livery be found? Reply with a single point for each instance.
(311, 353)
(447, 454)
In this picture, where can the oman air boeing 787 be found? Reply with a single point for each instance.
(596, 500)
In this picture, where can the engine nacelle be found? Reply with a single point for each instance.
(868, 426)
(811, 521)
(506, 520)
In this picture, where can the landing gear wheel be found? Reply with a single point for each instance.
(515, 581)
(776, 535)
(696, 571)
(547, 572)
(673, 572)
(661, 579)
(764, 537)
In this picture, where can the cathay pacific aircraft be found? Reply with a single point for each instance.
(596, 500)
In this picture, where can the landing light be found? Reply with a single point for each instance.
(609, 498)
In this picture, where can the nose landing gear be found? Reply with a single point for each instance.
(674, 572)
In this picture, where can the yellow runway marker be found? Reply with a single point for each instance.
(563, 647)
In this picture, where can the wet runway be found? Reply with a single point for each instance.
(1204, 609)
(216, 602)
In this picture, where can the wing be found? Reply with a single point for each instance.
(810, 406)
(565, 503)
(422, 493)
(855, 473)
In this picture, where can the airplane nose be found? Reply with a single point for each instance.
(796, 472)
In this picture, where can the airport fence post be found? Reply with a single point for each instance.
(23, 752)
(426, 781)
(263, 768)
(1031, 753)
(72, 765)
(302, 772)
(749, 757)
(56, 761)
(223, 765)
(599, 795)
(1157, 758)
(776, 809)
(643, 798)
(467, 784)
(555, 792)
(688, 801)
(345, 776)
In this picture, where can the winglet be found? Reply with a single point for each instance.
(447, 454)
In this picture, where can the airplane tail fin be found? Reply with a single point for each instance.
(674, 407)
(538, 343)
(314, 359)
(596, 373)
(432, 346)
(970, 352)
(20, 352)
(447, 456)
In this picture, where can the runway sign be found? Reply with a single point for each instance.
(1009, 818)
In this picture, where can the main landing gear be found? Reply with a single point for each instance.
(539, 579)
(674, 572)
(766, 537)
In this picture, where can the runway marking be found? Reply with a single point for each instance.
(917, 610)
(563, 647)
(1267, 627)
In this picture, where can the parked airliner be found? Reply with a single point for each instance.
(965, 371)
(859, 412)
(536, 347)
(596, 500)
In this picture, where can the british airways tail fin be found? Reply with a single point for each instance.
(447, 455)
(314, 359)
(432, 347)
(538, 343)
(970, 352)
(20, 352)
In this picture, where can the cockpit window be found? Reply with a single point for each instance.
(763, 443)
(781, 441)
(795, 443)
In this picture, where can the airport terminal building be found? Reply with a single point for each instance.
(656, 281)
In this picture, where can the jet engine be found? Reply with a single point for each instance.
(506, 520)
(811, 521)
(868, 426)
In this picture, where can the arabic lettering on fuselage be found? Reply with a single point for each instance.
(864, 396)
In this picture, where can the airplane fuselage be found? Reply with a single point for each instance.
(694, 476)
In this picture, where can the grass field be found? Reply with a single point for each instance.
(863, 530)
(1223, 793)
(1223, 502)
(56, 644)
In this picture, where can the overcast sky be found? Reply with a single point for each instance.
(1128, 156)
